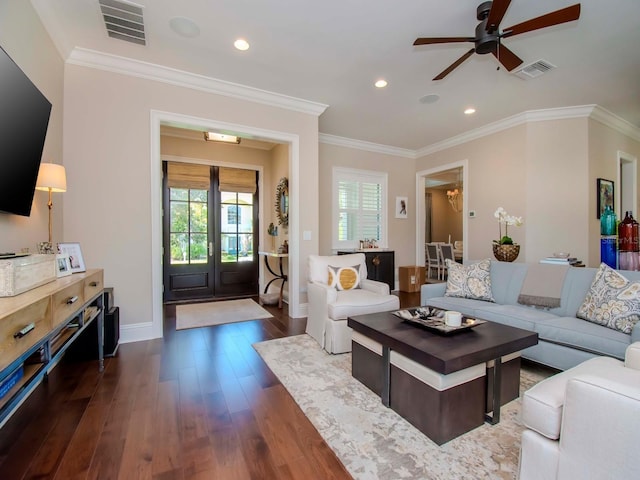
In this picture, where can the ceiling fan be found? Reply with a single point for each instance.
(488, 34)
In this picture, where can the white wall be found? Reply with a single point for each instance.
(401, 183)
(496, 178)
(108, 149)
(24, 38)
(604, 145)
(544, 171)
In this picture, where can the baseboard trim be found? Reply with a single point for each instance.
(137, 332)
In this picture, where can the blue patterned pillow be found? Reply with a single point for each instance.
(469, 281)
(612, 301)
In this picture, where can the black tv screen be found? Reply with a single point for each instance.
(24, 117)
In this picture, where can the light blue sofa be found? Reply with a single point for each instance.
(564, 340)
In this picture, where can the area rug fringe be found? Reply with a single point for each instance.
(372, 441)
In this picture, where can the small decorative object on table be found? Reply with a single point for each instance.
(272, 230)
(505, 249)
(75, 256)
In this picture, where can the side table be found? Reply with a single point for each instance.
(277, 276)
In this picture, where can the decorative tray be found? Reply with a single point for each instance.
(432, 319)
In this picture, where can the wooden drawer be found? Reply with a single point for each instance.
(67, 302)
(38, 313)
(93, 284)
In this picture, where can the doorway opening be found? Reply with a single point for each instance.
(291, 143)
(441, 206)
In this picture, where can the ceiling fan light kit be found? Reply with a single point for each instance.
(488, 36)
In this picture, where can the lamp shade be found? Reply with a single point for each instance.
(51, 176)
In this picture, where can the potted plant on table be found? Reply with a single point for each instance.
(505, 249)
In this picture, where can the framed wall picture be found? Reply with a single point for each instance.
(76, 260)
(605, 195)
(63, 265)
(401, 207)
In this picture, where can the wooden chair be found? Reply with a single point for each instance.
(446, 252)
(432, 259)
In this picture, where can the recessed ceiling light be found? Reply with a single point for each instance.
(470, 111)
(381, 83)
(184, 27)
(430, 98)
(241, 44)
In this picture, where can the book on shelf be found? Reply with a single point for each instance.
(560, 261)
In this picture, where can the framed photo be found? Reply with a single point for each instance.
(605, 195)
(63, 265)
(401, 207)
(75, 256)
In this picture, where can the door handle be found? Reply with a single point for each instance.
(211, 249)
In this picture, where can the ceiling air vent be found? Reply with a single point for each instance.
(534, 69)
(123, 20)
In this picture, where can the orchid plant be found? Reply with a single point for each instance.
(507, 220)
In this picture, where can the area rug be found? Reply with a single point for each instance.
(374, 442)
(207, 314)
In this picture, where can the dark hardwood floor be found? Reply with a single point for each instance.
(195, 404)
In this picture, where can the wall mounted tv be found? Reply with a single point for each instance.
(24, 117)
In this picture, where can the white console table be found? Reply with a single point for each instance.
(277, 276)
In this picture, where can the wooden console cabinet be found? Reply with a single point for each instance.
(37, 326)
(380, 265)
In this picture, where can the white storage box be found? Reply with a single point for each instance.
(20, 274)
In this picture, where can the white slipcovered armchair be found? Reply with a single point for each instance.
(584, 423)
(329, 307)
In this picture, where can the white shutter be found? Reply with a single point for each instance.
(359, 207)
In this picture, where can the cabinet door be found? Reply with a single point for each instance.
(380, 267)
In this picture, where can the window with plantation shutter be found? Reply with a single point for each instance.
(359, 207)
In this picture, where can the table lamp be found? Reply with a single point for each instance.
(51, 178)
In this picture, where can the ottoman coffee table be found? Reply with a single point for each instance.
(445, 385)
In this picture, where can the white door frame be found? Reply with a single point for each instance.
(185, 121)
(420, 206)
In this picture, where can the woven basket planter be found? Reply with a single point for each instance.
(506, 253)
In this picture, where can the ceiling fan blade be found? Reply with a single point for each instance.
(506, 57)
(554, 18)
(455, 65)
(429, 41)
(498, 9)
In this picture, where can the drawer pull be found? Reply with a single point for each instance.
(94, 284)
(72, 300)
(24, 331)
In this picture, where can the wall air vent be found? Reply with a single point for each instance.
(123, 20)
(534, 69)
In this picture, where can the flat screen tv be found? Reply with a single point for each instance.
(24, 118)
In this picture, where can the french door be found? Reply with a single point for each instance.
(210, 225)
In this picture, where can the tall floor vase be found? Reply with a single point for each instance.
(506, 253)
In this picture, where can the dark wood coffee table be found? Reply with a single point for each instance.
(455, 405)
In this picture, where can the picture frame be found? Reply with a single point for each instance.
(605, 195)
(74, 251)
(63, 265)
(402, 207)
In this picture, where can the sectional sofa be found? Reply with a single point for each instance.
(564, 340)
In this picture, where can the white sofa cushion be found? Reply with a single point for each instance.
(542, 404)
(360, 302)
(434, 379)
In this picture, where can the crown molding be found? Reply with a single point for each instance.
(150, 71)
(562, 113)
(366, 146)
(609, 119)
